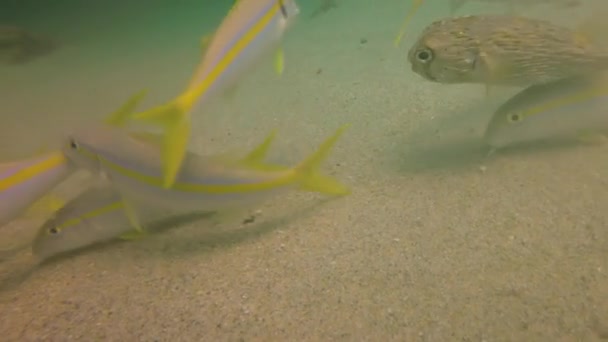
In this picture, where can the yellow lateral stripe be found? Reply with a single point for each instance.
(282, 179)
(566, 100)
(31, 171)
(91, 214)
(188, 100)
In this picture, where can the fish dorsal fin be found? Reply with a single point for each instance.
(408, 17)
(260, 152)
(122, 114)
(254, 160)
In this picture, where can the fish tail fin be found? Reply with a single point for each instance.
(408, 17)
(309, 177)
(174, 117)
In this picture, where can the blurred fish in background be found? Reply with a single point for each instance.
(18, 46)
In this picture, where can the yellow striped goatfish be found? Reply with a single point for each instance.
(204, 183)
(24, 182)
(568, 108)
(251, 29)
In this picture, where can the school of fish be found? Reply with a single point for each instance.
(142, 177)
(561, 70)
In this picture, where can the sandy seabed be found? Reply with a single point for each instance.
(436, 242)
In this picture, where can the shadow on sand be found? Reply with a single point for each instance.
(18, 269)
(455, 142)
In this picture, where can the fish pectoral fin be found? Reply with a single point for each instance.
(44, 206)
(494, 71)
(131, 212)
(279, 62)
(308, 175)
(122, 114)
(174, 151)
(133, 235)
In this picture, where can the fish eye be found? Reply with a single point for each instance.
(283, 9)
(424, 55)
(73, 144)
(514, 117)
(53, 230)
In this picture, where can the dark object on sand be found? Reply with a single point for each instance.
(325, 6)
(18, 46)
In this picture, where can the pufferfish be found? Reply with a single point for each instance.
(504, 50)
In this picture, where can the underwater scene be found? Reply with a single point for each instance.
(304, 170)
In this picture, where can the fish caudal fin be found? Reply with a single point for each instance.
(122, 114)
(308, 174)
(408, 17)
(174, 117)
